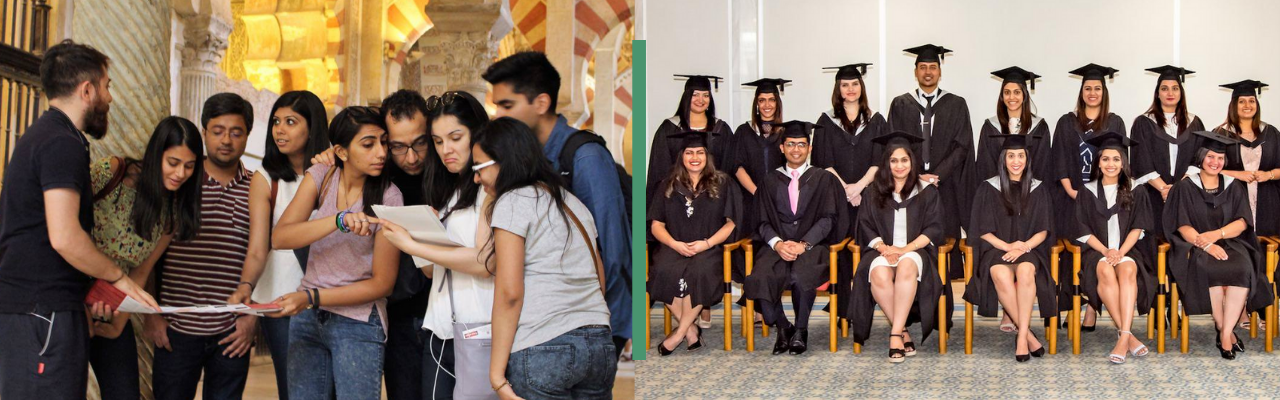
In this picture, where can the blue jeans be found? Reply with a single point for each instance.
(277, 331)
(405, 345)
(176, 373)
(576, 365)
(115, 363)
(329, 352)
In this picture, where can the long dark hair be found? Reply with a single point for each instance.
(176, 212)
(1233, 119)
(309, 106)
(343, 130)
(439, 183)
(1104, 109)
(709, 180)
(1180, 113)
(682, 111)
(1124, 184)
(1014, 202)
(755, 111)
(837, 104)
(512, 145)
(1002, 112)
(883, 182)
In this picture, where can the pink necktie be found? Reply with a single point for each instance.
(793, 190)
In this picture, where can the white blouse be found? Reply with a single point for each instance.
(474, 294)
(282, 274)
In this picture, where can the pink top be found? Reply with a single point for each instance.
(1252, 159)
(341, 259)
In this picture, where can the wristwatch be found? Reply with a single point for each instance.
(807, 246)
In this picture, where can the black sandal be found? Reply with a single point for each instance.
(908, 347)
(900, 353)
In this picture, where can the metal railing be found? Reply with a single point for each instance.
(24, 35)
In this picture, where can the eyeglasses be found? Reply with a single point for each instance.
(796, 145)
(480, 166)
(435, 102)
(419, 146)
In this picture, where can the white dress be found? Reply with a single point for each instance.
(900, 239)
(282, 274)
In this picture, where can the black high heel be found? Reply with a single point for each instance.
(1017, 357)
(1227, 354)
(663, 351)
(695, 345)
(1236, 347)
(1040, 351)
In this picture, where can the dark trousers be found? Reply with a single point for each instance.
(802, 302)
(115, 363)
(403, 370)
(176, 373)
(44, 355)
(437, 368)
(277, 331)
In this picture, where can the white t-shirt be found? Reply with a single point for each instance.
(474, 294)
(282, 274)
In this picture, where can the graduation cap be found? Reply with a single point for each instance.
(1111, 140)
(851, 71)
(1216, 142)
(691, 139)
(1095, 71)
(928, 53)
(797, 129)
(1016, 74)
(768, 85)
(1247, 87)
(700, 82)
(1169, 72)
(897, 138)
(1011, 142)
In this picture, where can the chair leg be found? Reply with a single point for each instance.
(1151, 324)
(832, 316)
(968, 328)
(1253, 325)
(1173, 312)
(728, 321)
(942, 325)
(844, 327)
(1052, 333)
(648, 314)
(1075, 324)
(666, 320)
(1159, 323)
(748, 322)
(1270, 313)
(1186, 327)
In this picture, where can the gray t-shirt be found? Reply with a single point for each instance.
(561, 288)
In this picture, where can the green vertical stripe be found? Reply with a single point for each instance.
(638, 144)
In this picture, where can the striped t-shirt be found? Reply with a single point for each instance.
(206, 270)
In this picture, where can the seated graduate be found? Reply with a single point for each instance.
(799, 213)
(692, 216)
(1118, 268)
(1011, 236)
(899, 227)
(1215, 258)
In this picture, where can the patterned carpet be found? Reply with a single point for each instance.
(989, 373)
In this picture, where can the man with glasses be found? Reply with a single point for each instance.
(798, 206)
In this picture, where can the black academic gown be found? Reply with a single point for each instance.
(1093, 213)
(663, 153)
(757, 156)
(1038, 149)
(691, 218)
(990, 216)
(1070, 154)
(950, 150)
(851, 155)
(1151, 156)
(817, 218)
(1190, 205)
(923, 218)
(1268, 218)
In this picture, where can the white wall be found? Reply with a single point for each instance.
(1224, 41)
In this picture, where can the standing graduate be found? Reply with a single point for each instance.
(1074, 157)
(697, 112)
(1010, 231)
(756, 151)
(1013, 117)
(942, 119)
(1215, 258)
(1168, 142)
(1118, 267)
(1257, 159)
(799, 211)
(692, 216)
(899, 227)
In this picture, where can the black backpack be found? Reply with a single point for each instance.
(576, 140)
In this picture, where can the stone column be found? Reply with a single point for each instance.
(205, 44)
(560, 46)
(459, 47)
(140, 79)
(606, 55)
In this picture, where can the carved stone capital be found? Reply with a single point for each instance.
(206, 40)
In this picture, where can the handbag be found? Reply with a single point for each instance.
(470, 356)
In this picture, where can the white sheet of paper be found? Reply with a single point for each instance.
(130, 305)
(422, 224)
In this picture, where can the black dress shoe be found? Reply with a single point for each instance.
(784, 340)
(1019, 357)
(1040, 351)
(800, 342)
(663, 351)
(1227, 354)
(695, 345)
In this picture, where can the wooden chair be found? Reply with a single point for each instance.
(942, 301)
(1052, 333)
(728, 297)
(1073, 329)
(1155, 316)
(1270, 247)
(748, 315)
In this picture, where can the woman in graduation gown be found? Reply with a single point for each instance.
(1168, 143)
(1118, 264)
(898, 230)
(1014, 117)
(696, 112)
(845, 147)
(692, 216)
(1074, 157)
(1215, 258)
(757, 150)
(1257, 159)
(1010, 232)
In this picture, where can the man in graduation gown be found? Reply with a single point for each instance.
(942, 119)
(799, 208)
